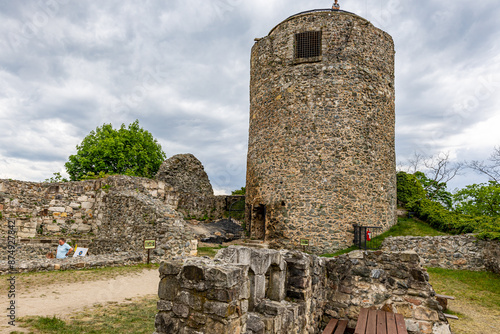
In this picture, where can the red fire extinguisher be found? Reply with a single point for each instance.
(368, 235)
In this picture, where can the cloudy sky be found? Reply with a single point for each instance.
(181, 67)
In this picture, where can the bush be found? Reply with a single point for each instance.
(409, 188)
(455, 223)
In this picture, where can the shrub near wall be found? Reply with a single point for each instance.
(442, 219)
(412, 195)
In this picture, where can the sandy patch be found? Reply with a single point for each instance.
(62, 300)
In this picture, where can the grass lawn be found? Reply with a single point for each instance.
(477, 302)
(134, 317)
(209, 251)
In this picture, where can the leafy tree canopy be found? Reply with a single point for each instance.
(239, 191)
(409, 188)
(131, 151)
(435, 190)
(479, 199)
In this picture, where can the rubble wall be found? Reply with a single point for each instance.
(261, 291)
(464, 252)
(321, 134)
(116, 213)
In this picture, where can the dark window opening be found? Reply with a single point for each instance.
(308, 45)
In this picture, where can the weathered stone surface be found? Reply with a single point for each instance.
(463, 252)
(184, 176)
(117, 213)
(185, 173)
(169, 288)
(253, 303)
(90, 261)
(321, 138)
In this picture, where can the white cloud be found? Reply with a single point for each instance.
(182, 68)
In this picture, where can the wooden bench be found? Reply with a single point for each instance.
(338, 325)
(443, 300)
(380, 322)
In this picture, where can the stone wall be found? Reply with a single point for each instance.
(186, 179)
(245, 290)
(321, 138)
(87, 262)
(463, 252)
(117, 213)
(39, 248)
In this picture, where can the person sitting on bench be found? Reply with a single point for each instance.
(63, 249)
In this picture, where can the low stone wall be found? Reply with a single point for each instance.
(463, 252)
(257, 291)
(38, 248)
(88, 262)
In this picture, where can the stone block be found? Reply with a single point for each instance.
(84, 228)
(165, 323)
(409, 256)
(188, 299)
(255, 324)
(87, 205)
(404, 309)
(224, 276)
(196, 319)
(180, 310)
(244, 306)
(57, 209)
(356, 254)
(170, 268)
(52, 227)
(220, 309)
(441, 328)
(412, 326)
(276, 290)
(425, 327)
(164, 305)
(168, 288)
(259, 288)
(271, 308)
(224, 295)
(423, 313)
(193, 272)
(74, 205)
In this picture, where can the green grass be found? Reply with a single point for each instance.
(209, 251)
(477, 287)
(136, 317)
(404, 227)
(411, 227)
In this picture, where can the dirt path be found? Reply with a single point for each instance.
(62, 300)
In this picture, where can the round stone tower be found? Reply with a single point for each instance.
(321, 141)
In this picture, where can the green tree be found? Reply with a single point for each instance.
(479, 199)
(409, 188)
(131, 151)
(239, 191)
(435, 190)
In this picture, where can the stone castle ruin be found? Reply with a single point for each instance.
(267, 291)
(111, 215)
(320, 159)
(321, 141)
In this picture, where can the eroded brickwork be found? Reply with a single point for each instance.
(321, 140)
